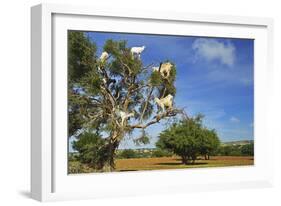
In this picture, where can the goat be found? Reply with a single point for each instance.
(165, 102)
(136, 51)
(165, 69)
(124, 116)
(104, 56)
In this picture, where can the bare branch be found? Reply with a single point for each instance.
(146, 67)
(129, 69)
(109, 96)
(146, 103)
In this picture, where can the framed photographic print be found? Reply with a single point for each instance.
(135, 102)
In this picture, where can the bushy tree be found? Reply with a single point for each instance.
(188, 139)
(99, 91)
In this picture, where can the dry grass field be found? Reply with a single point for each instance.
(137, 164)
(175, 163)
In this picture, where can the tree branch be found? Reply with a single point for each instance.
(157, 118)
(146, 103)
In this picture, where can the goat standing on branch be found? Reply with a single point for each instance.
(136, 51)
(164, 69)
(124, 116)
(104, 57)
(166, 102)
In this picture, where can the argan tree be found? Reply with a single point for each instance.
(114, 94)
(188, 139)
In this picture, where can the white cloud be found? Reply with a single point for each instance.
(211, 49)
(234, 119)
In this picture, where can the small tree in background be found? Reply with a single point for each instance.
(127, 154)
(247, 149)
(188, 139)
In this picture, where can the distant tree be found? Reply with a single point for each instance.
(186, 138)
(128, 153)
(236, 150)
(225, 150)
(115, 95)
(161, 153)
(247, 149)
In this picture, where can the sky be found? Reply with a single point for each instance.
(214, 77)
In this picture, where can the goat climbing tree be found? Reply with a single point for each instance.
(114, 94)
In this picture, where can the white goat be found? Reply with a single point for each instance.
(124, 116)
(165, 102)
(166, 69)
(136, 51)
(104, 56)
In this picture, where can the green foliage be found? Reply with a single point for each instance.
(127, 154)
(115, 48)
(76, 103)
(91, 82)
(248, 149)
(161, 153)
(230, 150)
(81, 61)
(209, 143)
(236, 150)
(122, 62)
(188, 139)
(81, 54)
(156, 79)
(91, 148)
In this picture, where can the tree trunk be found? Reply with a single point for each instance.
(113, 143)
(184, 160)
(193, 158)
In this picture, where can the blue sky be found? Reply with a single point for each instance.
(214, 77)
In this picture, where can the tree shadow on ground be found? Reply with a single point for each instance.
(126, 170)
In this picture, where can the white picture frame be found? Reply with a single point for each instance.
(49, 179)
